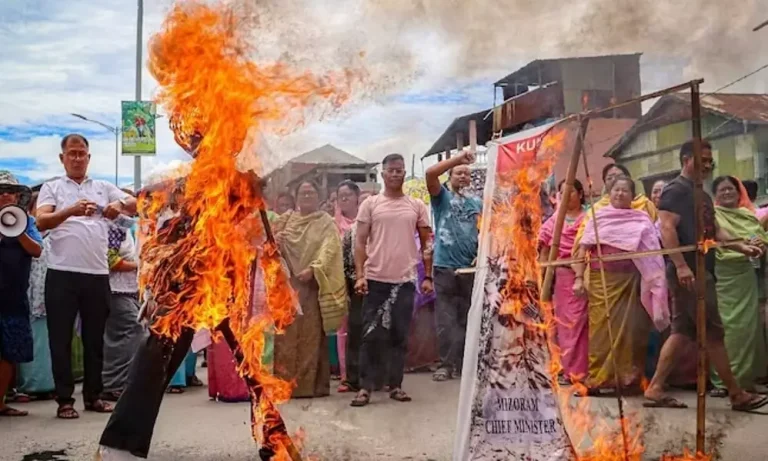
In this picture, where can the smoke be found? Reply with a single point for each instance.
(403, 42)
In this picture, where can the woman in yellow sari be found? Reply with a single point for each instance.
(310, 244)
(628, 299)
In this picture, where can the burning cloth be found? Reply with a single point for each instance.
(507, 408)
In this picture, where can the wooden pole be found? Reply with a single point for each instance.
(473, 136)
(701, 279)
(570, 177)
(611, 333)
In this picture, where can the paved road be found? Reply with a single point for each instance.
(191, 427)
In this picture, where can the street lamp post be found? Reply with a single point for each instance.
(114, 130)
(139, 28)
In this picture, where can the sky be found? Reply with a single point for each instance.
(79, 56)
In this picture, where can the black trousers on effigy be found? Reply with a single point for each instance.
(131, 425)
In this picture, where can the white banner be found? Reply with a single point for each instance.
(507, 407)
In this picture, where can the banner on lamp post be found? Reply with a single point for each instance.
(138, 127)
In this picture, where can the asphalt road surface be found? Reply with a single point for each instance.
(192, 427)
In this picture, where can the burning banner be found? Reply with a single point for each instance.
(508, 408)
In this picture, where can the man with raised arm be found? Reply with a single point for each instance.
(456, 213)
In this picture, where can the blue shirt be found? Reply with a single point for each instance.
(455, 228)
(32, 231)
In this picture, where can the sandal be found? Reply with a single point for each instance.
(112, 396)
(175, 390)
(664, 402)
(12, 412)
(442, 374)
(345, 387)
(19, 397)
(718, 393)
(67, 411)
(399, 395)
(194, 381)
(754, 402)
(362, 399)
(98, 406)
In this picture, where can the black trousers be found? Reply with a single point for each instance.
(66, 295)
(454, 296)
(387, 312)
(354, 335)
(131, 425)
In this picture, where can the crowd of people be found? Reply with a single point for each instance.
(613, 316)
(361, 263)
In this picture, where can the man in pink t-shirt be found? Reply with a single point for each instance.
(386, 258)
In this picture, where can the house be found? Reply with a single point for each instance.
(327, 166)
(547, 90)
(735, 124)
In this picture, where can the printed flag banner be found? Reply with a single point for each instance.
(139, 127)
(508, 409)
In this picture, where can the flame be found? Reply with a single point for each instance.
(199, 268)
(706, 245)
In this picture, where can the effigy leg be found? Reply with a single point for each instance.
(131, 425)
(275, 434)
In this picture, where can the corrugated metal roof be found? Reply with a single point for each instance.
(530, 72)
(672, 108)
(328, 154)
(748, 107)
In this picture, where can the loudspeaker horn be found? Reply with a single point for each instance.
(13, 221)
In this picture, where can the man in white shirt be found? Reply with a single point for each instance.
(76, 210)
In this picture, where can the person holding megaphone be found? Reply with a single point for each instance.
(20, 241)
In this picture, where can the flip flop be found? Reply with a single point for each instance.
(757, 401)
(664, 402)
(12, 412)
(361, 400)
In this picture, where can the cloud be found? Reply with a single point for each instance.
(429, 62)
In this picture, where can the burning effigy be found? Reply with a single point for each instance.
(207, 235)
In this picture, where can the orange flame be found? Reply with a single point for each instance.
(199, 268)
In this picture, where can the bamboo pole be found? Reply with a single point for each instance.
(601, 262)
(570, 177)
(701, 280)
(624, 256)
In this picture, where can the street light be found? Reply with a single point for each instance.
(114, 130)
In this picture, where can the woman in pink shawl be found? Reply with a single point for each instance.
(570, 310)
(633, 298)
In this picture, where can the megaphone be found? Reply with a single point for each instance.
(13, 221)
